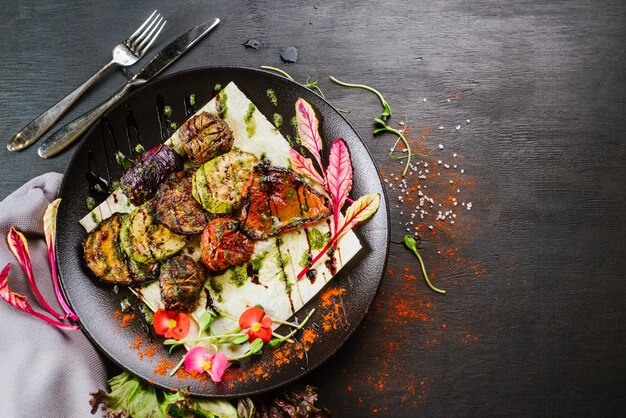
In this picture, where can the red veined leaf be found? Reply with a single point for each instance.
(19, 248)
(361, 210)
(20, 302)
(304, 166)
(50, 230)
(308, 130)
(339, 177)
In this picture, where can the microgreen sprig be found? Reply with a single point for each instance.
(411, 244)
(386, 108)
(275, 342)
(221, 338)
(255, 348)
(277, 70)
(311, 85)
(383, 127)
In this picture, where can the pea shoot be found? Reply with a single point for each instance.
(386, 108)
(411, 244)
(383, 127)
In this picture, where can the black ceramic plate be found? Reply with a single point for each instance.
(128, 342)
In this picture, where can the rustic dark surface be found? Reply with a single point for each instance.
(534, 320)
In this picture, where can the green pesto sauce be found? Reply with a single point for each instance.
(94, 218)
(216, 286)
(223, 104)
(294, 124)
(304, 259)
(317, 239)
(272, 96)
(90, 202)
(192, 99)
(280, 260)
(257, 262)
(250, 121)
(218, 87)
(239, 276)
(278, 120)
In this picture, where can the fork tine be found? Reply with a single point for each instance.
(141, 49)
(145, 31)
(131, 37)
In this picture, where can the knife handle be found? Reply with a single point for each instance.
(38, 126)
(69, 133)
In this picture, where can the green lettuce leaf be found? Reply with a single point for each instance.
(131, 397)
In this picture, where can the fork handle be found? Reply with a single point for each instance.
(69, 133)
(37, 127)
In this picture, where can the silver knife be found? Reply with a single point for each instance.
(65, 136)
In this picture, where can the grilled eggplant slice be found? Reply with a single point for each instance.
(279, 201)
(142, 179)
(204, 137)
(147, 241)
(108, 261)
(220, 185)
(224, 245)
(176, 208)
(181, 281)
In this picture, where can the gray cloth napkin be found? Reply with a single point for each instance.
(44, 372)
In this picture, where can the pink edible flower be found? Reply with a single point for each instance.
(199, 360)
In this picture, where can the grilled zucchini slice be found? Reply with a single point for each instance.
(220, 184)
(103, 255)
(147, 241)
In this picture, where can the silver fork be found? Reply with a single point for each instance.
(125, 54)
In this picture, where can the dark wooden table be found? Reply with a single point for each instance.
(534, 319)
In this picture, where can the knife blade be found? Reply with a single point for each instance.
(69, 133)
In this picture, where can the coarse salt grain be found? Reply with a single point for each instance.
(440, 146)
(458, 127)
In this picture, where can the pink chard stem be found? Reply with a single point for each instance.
(20, 302)
(19, 247)
(50, 232)
(57, 288)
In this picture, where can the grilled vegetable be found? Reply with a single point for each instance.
(147, 241)
(142, 272)
(220, 184)
(176, 208)
(141, 181)
(204, 137)
(279, 201)
(181, 280)
(224, 245)
(106, 259)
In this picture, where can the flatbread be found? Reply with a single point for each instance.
(283, 257)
